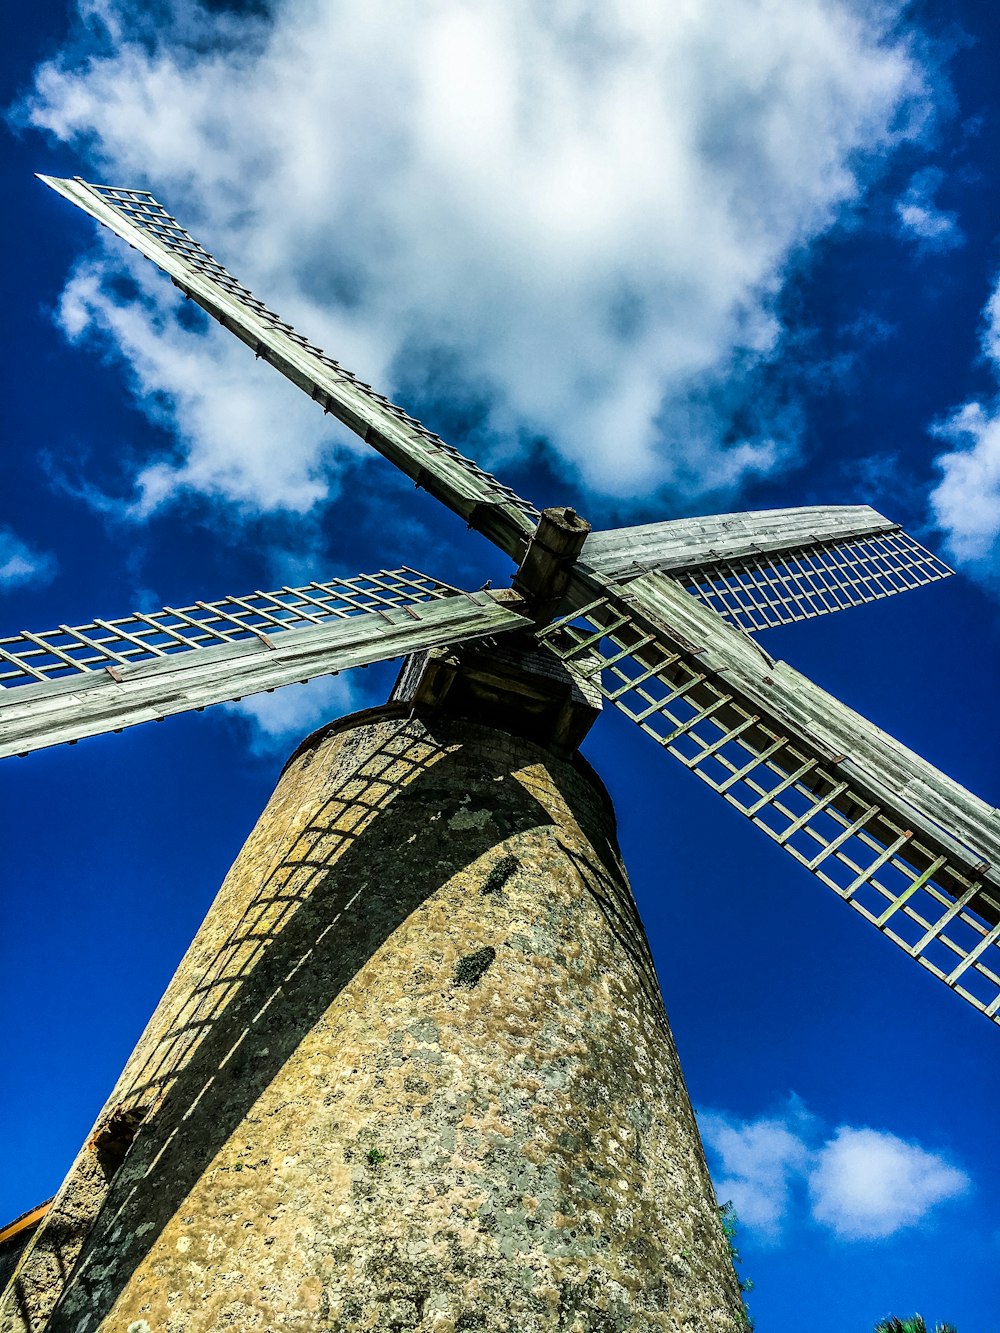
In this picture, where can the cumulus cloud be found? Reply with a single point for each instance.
(759, 1159)
(20, 565)
(966, 501)
(253, 440)
(584, 212)
(278, 720)
(921, 220)
(859, 1183)
(867, 1184)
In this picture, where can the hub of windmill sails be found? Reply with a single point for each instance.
(512, 682)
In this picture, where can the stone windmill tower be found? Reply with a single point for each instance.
(414, 1071)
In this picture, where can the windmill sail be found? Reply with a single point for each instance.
(485, 503)
(659, 627)
(76, 681)
(772, 568)
(759, 592)
(911, 850)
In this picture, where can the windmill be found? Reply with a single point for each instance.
(656, 620)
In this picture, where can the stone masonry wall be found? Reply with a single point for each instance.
(413, 1073)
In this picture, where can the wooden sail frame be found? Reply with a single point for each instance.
(908, 848)
(183, 663)
(458, 482)
(657, 619)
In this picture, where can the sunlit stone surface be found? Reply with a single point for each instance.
(413, 1073)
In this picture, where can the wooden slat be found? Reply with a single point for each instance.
(684, 543)
(29, 662)
(68, 709)
(778, 588)
(892, 775)
(482, 501)
(910, 850)
(771, 568)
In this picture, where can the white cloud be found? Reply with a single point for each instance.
(991, 329)
(20, 565)
(585, 210)
(966, 501)
(920, 218)
(867, 1184)
(860, 1183)
(759, 1160)
(279, 720)
(254, 440)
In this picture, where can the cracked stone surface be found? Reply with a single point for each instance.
(413, 1073)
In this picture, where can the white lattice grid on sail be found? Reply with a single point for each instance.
(758, 592)
(910, 890)
(108, 644)
(140, 208)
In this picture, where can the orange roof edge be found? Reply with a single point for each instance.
(30, 1218)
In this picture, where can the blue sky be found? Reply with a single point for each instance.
(650, 260)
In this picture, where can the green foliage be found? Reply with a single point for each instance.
(915, 1324)
(730, 1226)
(375, 1156)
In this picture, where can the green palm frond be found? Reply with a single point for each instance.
(915, 1324)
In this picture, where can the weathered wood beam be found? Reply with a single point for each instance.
(88, 704)
(686, 543)
(547, 568)
(918, 795)
(483, 502)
